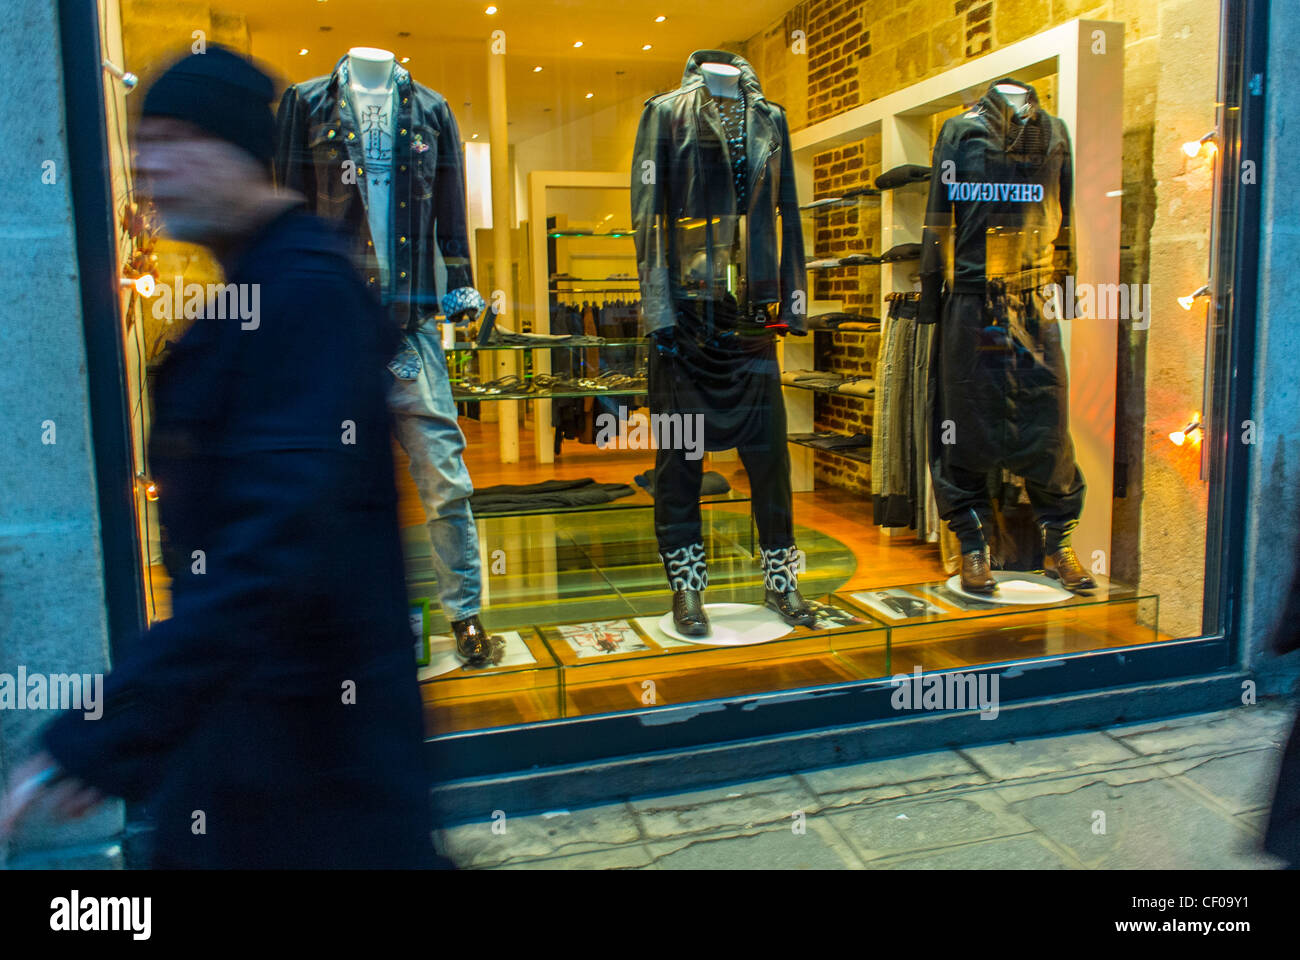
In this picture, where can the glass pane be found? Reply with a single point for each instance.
(817, 342)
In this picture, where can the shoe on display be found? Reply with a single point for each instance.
(791, 607)
(1064, 563)
(688, 614)
(976, 572)
(474, 645)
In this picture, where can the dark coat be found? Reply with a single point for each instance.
(316, 134)
(684, 208)
(237, 706)
(999, 372)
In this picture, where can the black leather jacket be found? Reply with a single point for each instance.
(316, 134)
(689, 230)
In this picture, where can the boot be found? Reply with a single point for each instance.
(688, 575)
(474, 645)
(1065, 564)
(781, 586)
(976, 572)
(688, 614)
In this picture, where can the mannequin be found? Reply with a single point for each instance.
(722, 79)
(371, 68)
(1015, 94)
(715, 299)
(998, 377)
(368, 146)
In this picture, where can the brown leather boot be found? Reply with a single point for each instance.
(1065, 564)
(976, 575)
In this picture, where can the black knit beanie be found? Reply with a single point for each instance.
(220, 92)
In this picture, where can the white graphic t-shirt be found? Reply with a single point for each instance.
(375, 115)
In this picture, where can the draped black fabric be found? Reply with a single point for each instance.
(732, 379)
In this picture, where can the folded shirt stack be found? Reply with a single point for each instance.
(902, 175)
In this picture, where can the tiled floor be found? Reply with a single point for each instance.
(1191, 792)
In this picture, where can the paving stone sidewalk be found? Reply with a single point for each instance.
(1190, 792)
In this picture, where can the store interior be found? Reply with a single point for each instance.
(578, 593)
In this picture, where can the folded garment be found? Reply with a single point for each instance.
(902, 175)
(901, 251)
(545, 495)
(834, 321)
(712, 484)
(858, 259)
(833, 441)
(864, 387)
(824, 202)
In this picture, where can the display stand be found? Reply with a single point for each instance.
(1087, 58)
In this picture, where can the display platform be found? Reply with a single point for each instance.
(581, 611)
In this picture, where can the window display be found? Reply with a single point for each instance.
(832, 329)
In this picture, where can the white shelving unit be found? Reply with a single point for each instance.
(1087, 58)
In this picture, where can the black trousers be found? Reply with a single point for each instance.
(1000, 399)
(970, 513)
(730, 381)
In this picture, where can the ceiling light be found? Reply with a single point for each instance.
(490, 10)
(537, 69)
(303, 52)
(577, 43)
(645, 47)
(406, 59)
(475, 137)
(660, 19)
(590, 95)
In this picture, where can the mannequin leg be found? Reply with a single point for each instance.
(964, 504)
(424, 416)
(1056, 508)
(677, 499)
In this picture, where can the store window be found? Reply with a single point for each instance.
(869, 342)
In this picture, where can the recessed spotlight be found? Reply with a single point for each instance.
(645, 46)
(406, 59)
(577, 43)
(537, 69)
(475, 137)
(660, 19)
(490, 10)
(590, 95)
(303, 52)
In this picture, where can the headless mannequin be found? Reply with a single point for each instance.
(722, 79)
(371, 69)
(1015, 95)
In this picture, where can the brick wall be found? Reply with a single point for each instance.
(838, 39)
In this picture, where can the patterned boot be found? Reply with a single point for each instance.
(688, 574)
(781, 586)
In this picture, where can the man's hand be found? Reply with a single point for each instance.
(40, 782)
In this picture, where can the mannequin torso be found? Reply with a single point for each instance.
(722, 79)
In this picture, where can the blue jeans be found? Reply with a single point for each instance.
(424, 418)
